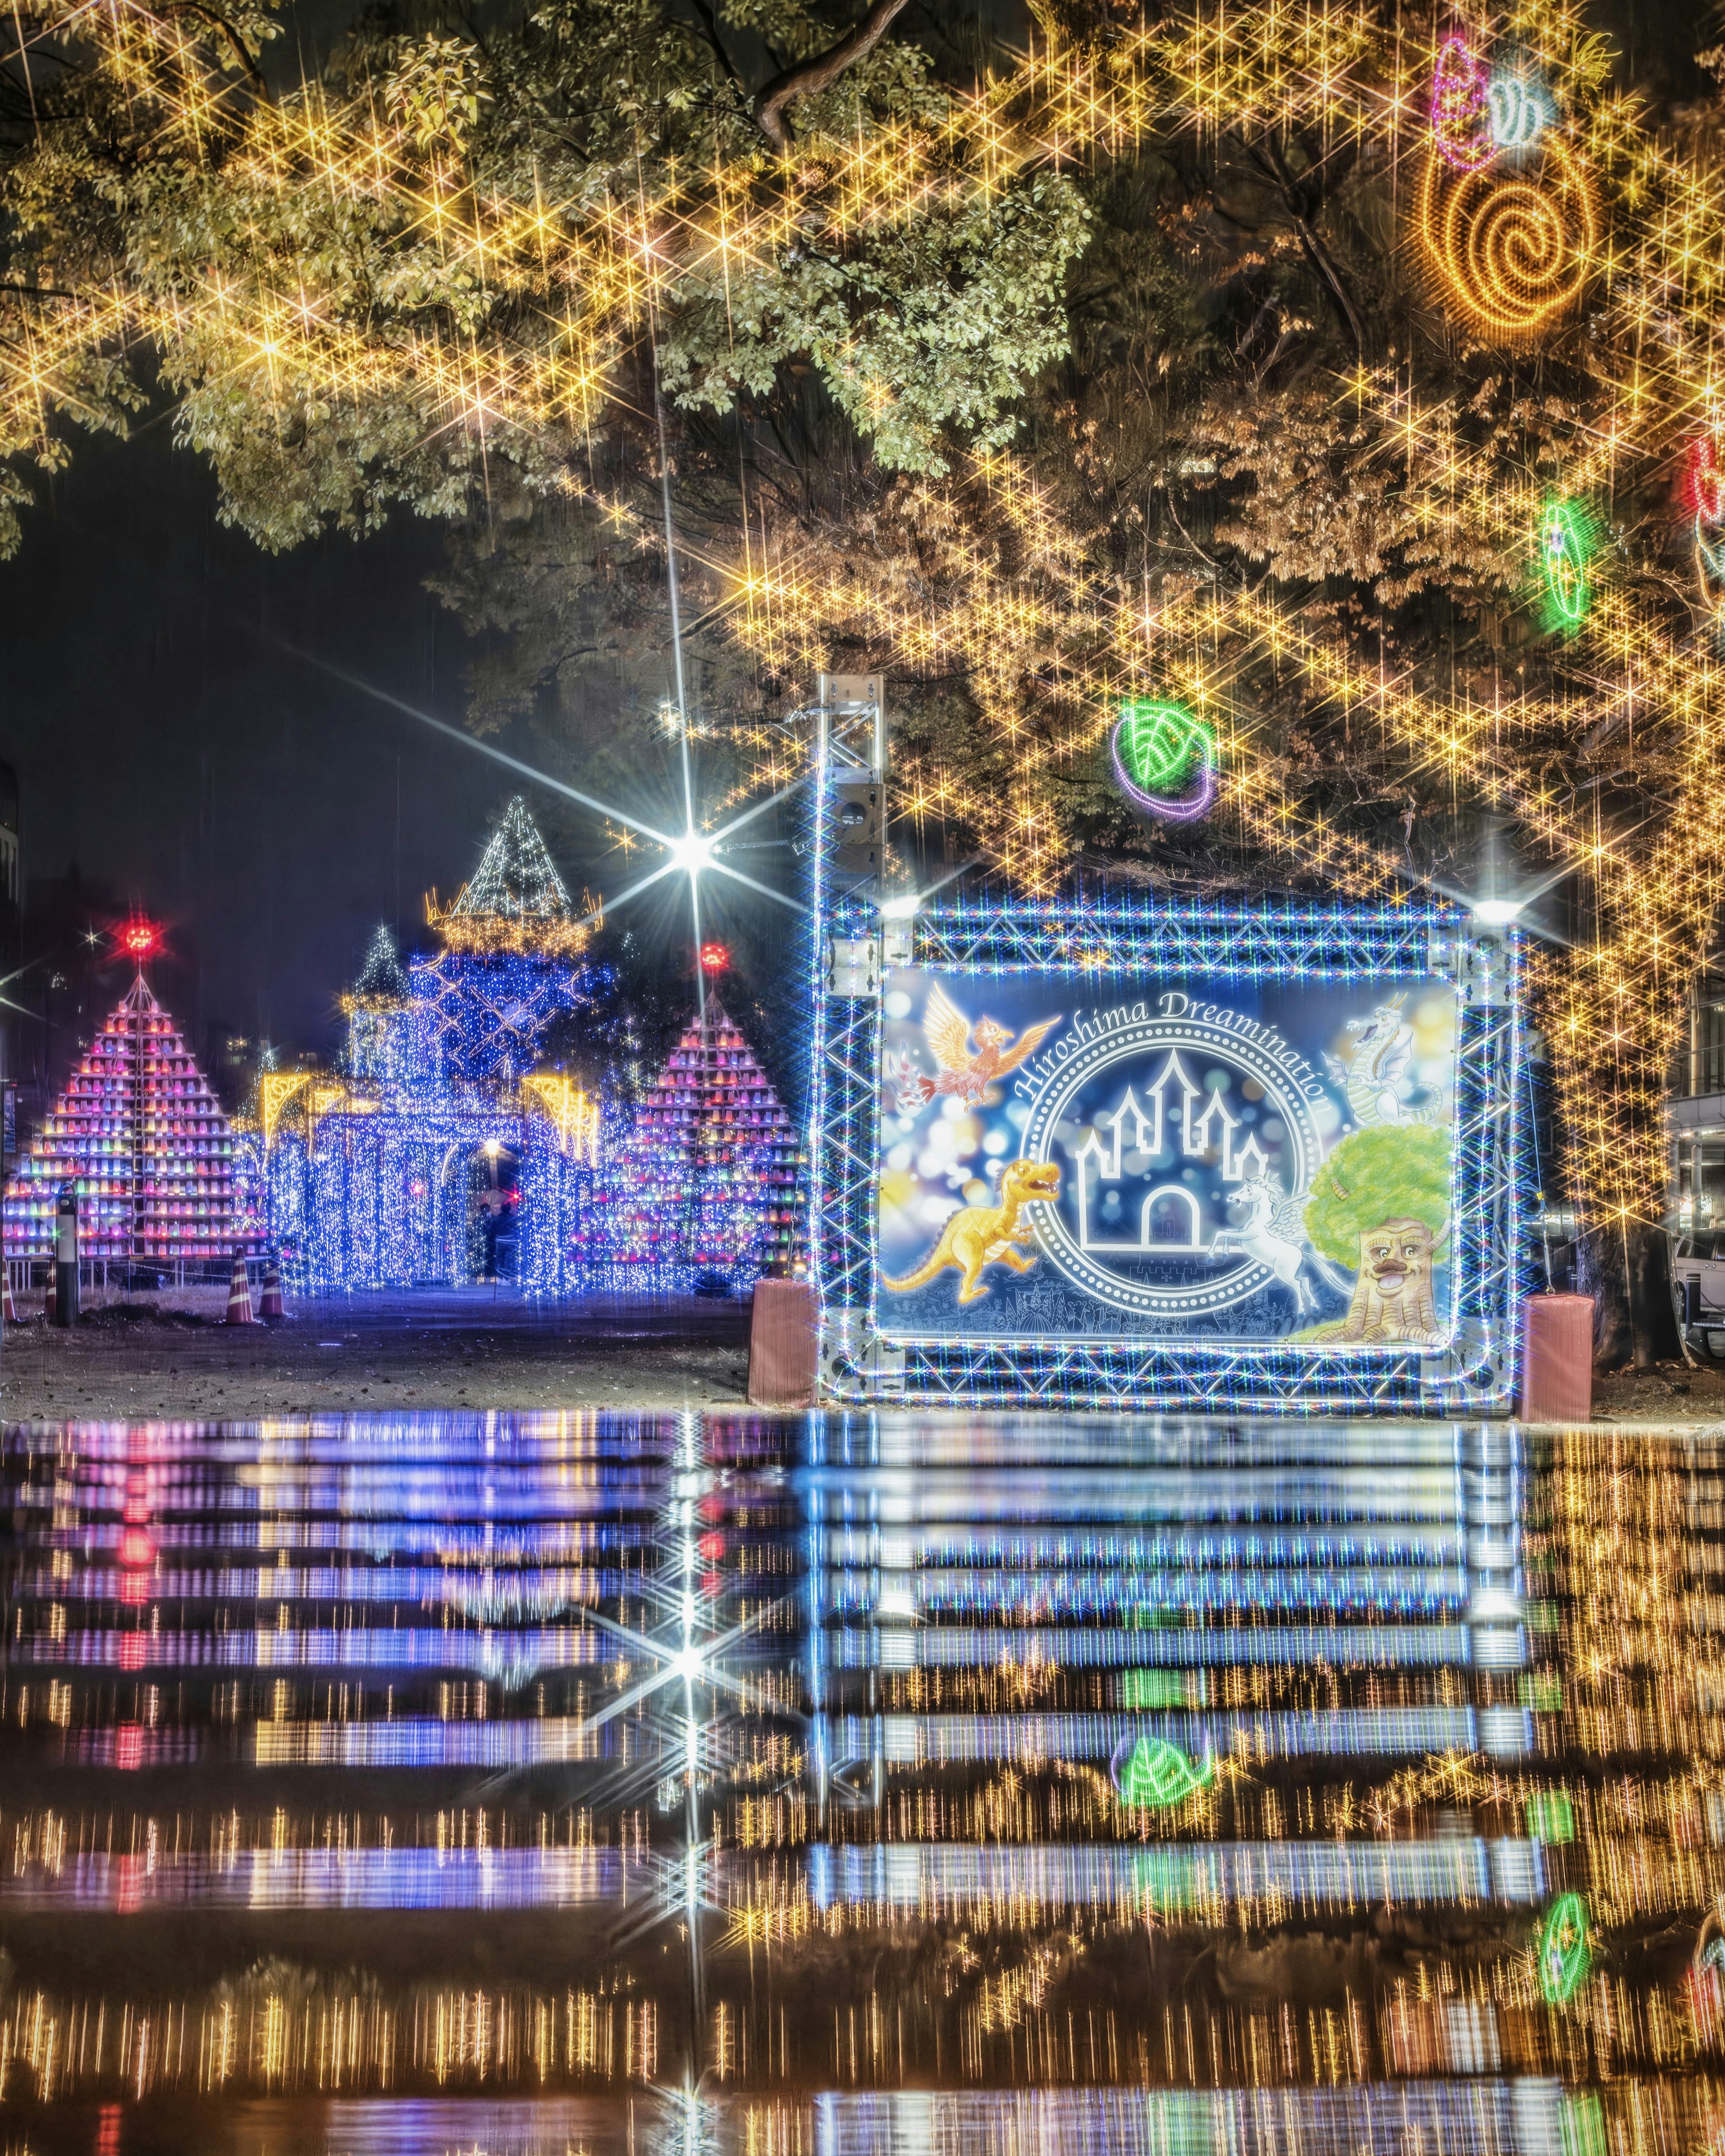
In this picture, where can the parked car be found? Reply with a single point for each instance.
(1698, 1291)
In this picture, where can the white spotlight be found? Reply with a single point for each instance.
(1496, 912)
(692, 853)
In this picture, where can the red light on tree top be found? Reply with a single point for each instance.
(138, 939)
(714, 958)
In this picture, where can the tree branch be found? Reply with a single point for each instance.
(1316, 253)
(236, 43)
(710, 27)
(821, 72)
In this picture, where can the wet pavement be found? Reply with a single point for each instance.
(145, 1357)
(544, 1782)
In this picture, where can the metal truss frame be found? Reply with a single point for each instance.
(1094, 935)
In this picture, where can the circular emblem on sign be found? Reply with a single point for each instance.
(1187, 1146)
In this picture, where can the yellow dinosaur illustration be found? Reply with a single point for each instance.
(979, 1235)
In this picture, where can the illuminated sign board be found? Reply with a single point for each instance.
(1270, 1165)
(1126, 1151)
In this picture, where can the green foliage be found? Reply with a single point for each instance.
(149, 178)
(926, 338)
(1396, 1172)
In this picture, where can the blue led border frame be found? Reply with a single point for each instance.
(1095, 936)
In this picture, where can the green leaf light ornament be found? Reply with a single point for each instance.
(1155, 746)
(1152, 1771)
(1565, 1958)
(1566, 546)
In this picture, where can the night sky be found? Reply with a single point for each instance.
(167, 743)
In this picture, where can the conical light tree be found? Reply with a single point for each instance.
(141, 1136)
(706, 1183)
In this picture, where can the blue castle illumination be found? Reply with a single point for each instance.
(444, 1150)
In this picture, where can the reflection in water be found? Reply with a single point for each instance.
(860, 1782)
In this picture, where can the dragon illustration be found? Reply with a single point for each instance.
(965, 1074)
(1375, 1069)
(979, 1235)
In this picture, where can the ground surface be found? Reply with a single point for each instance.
(169, 1357)
(1673, 1391)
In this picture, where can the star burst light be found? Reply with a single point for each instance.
(693, 852)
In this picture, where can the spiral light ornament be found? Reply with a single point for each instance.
(1513, 247)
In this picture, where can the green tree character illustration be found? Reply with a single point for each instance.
(1380, 1205)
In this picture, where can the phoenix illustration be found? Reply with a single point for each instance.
(966, 1073)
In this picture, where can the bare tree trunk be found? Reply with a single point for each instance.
(1627, 1273)
(1610, 1083)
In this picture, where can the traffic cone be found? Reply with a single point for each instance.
(269, 1309)
(54, 1285)
(239, 1293)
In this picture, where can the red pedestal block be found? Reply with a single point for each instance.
(782, 1345)
(1558, 1358)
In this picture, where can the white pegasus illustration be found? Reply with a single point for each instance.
(1273, 1233)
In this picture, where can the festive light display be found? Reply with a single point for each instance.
(1564, 1956)
(1521, 108)
(1515, 232)
(1458, 106)
(1150, 1770)
(1566, 547)
(1704, 483)
(1154, 747)
(482, 1005)
(381, 1042)
(1704, 488)
(516, 901)
(439, 1154)
(275, 329)
(1044, 1350)
(145, 1142)
(707, 1182)
(1514, 249)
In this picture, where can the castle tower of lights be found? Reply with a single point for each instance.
(444, 1151)
(507, 968)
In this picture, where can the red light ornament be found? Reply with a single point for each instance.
(1704, 482)
(1704, 496)
(714, 958)
(139, 939)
